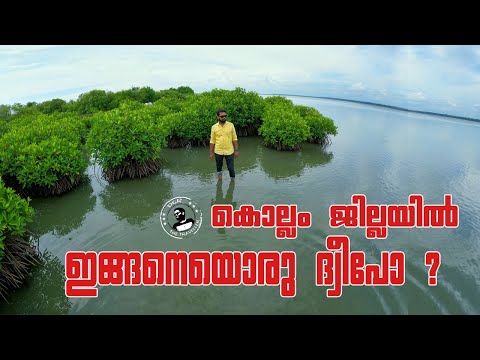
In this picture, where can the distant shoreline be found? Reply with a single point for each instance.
(381, 105)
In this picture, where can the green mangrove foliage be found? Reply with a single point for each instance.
(87, 121)
(192, 126)
(17, 254)
(93, 101)
(42, 154)
(244, 108)
(10, 112)
(54, 105)
(197, 113)
(3, 126)
(286, 125)
(174, 99)
(277, 100)
(321, 127)
(158, 110)
(188, 117)
(101, 100)
(177, 133)
(5, 113)
(141, 94)
(283, 128)
(126, 141)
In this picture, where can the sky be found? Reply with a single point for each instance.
(437, 78)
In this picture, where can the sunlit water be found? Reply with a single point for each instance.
(382, 153)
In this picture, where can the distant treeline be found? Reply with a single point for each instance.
(91, 102)
(381, 105)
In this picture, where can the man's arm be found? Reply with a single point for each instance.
(212, 143)
(235, 148)
(212, 149)
(235, 142)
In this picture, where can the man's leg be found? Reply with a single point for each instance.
(219, 161)
(230, 166)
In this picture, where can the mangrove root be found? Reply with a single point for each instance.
(19, 255)
(133, 169)
(63, 185)
(282, 147)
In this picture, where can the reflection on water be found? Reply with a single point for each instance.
(62, 214)
(195, 161)
(43, 293)
(186, 162)
(280, 164)
(224, 200)
(384, 154)
(276, 164)
(228, 198)
(136, 200)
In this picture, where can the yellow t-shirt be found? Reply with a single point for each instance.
(222, 137)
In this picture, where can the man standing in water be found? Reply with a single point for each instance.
(224, 144)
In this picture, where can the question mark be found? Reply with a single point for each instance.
(432, 259)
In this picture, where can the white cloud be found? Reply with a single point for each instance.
(358, 86)
(416, 96)
(22, 66)
(19, 49)
(439, 50)
(451, 103)
(397, 73)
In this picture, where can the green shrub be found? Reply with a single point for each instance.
(16, 251)
(3, 126)
(173, 99)
(15, 213)
(195, 125)
(42, 154)
(194, 118)
(126, 141)
(283, 128)
(320, 126)
(244, 108)
(192, 126)
(278, 100)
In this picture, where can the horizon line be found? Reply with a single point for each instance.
(381, 105)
